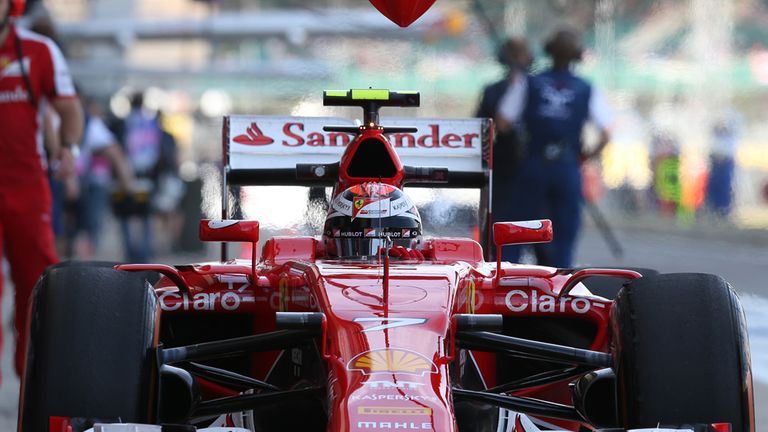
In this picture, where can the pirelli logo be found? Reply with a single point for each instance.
(393, 411)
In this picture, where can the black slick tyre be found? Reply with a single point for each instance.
(90, 349)
(681, 353)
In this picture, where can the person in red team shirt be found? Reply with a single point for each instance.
(33, 78)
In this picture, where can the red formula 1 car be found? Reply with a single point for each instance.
(374, 326)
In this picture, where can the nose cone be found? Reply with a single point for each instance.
(402, 12)
(388, 360)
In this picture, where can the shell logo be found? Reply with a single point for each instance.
(391, 361)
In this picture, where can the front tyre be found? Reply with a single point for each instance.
(90, 353)
(681, 352)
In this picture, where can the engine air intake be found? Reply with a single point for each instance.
(371, 160)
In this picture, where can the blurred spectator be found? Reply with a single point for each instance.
(58, 187)
(40, 22)
(551, 109)
(170, 187)
(100, 155)
(142, 142)
(34, 73)
(667, 188)
(764, 193)
(725, 138)
(515, 56)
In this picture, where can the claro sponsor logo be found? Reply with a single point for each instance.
(294, 135)
(394, 425)
(228, 301)
(521, 301)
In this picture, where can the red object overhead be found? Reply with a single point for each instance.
(17, 8)
(402, 12)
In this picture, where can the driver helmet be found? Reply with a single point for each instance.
(369, 217)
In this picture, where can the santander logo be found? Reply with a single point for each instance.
(253, 136)
(298, 134)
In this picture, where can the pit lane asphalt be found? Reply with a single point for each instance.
(740, 257)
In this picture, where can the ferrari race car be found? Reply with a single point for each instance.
(374, 325)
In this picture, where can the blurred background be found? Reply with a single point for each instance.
(682, 77)
(688, 82)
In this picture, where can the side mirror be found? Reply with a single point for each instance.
(228, 230)
(523, 232)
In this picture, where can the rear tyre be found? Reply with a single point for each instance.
(681, 353)
(90, 352)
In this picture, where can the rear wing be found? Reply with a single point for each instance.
(264, 151)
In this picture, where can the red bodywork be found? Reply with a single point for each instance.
(387, 354)
(388, 344)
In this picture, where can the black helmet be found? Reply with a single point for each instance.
(514, 53)
(368, 217)
(565, 45)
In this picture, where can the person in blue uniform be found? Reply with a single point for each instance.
(550, 111)
(515, 55)
(722, 164)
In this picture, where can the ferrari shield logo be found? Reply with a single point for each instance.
(370, 207)
(357, 205)
(391, 361)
